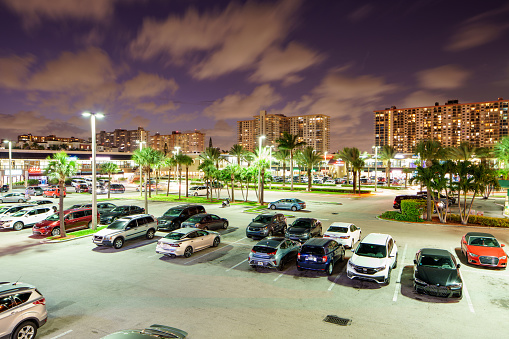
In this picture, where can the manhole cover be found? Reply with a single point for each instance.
(334, 213)
(334, 319)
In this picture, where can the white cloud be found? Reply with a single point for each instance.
(14, 70)
(422, 98)
(148, 85)
(443, 77)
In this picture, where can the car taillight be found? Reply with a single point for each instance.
(175, 245)
(298, 255)
(40, 302)
(324, 258)
(345, 237)
(272, 253)
(326, 236)
(197, 225)
(253, 251)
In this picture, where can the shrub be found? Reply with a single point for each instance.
(395, 215)
(19, 183)
(481, 220)
(413, 208)
(33, 182)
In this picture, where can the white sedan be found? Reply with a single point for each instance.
(345, 233)
(25, 217)
(185, 241)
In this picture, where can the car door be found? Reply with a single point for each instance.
(202, 240)
(391, 251)
(79, 220)
(215, 222)
(7, 316)
(190, 240)
(30, 217)
(131, 230)
(70, 222)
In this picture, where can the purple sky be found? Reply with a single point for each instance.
(180, 64)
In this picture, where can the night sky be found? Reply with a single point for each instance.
(182, 65)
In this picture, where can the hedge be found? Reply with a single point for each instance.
(481, 220)
(412, 207)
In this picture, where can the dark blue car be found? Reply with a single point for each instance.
(320, 254)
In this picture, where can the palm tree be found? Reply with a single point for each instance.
(407, 171)
(465, 151)
(501, 151)
(237, 151)
(212, 154)
(429, 151)
(388, 153)
(207, 166)
(60, 167)
(357, 166)
(169, 162)
(147, 158)
(261, 164)
(187, 161)
(346, 155)
(109, 168)
(290, 142)
(309, 158)
(183, 160)
(281, 156)
(425, 176)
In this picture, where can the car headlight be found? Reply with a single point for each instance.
(420, 282)
(503, 257)
(350, 263)
(473, 255)
(456, 286)
(378, 269)
(7, 221)
(305, 235)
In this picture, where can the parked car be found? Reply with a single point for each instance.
(330, 182)
(175, 216)
(437, 273)
(186, 241)
(273, 253)
(151, 332)
(73, 220)
(108, 217)
(5, 210)
(4, 188)
(266, 225)
(320, 254)
(34, 190)
(483, 249)
(98, 190)
(287, 204)
(206, 221)
(198, 190)
(102, 207)
(304, 228)
(443, 198)
(117, 188)
(54, 192)
(44, 202)
(26, 217)
(345, 233)
(81, 188)
(14, 197)
(78, 181)
(126, 228)
(397, 200)
(22, 310)
(374, 259)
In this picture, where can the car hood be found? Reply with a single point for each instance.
(368, 261)
(107, 232)
(257, 224)
(299, 230)
(166, 218)
(47, 223)
(437, 276)
(486, 251)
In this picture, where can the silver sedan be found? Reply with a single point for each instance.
(186, 241)
(14, 197)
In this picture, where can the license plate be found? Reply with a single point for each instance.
(260, 263)
(312, 258)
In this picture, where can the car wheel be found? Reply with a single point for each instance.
(330, 268)
(89, 225)
(188, 251)
(387, 280)
(150, 234)
(18, 226)
(205, 228)
(55, 231)
(216, 242)
(20, 200)
(118, 243)
(225, 224)
(26, 330)
(272, 207)
(54, 195)
(281, 265)
(196, 194)
(294, 208)
(177, 225)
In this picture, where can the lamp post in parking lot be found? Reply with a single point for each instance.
(141, 173)
(260, 169)
(92, 116)
(10, 164)
(376, 165)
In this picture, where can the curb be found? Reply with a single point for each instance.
(442, 225)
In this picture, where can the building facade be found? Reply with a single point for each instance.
(312, 129)
(123, 140)
(482, 124)
(188, 142)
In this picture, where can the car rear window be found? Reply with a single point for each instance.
(315, 250)
(338, 229)
(264, 249)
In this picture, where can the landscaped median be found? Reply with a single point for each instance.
(74, 235)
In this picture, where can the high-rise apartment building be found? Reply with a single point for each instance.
(312, 129)
(482, 124)
(124, 140)
(189, 142)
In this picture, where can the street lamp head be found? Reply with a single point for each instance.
(6, 141)
(97, 115)
(262, 137)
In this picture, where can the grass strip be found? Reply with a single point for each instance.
(77, 234)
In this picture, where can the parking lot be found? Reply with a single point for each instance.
(92, 291)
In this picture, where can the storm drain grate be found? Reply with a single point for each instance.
(334, 319)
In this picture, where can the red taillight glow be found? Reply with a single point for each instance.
(324, 258)
(345, 237)
(253, 251)
(326, 236)
(175, 245)
(298, 255)
(272, 253)
(40, 302)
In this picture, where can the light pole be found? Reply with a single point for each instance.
(270, 163)
(141, 170)
(10, 164)
(178, 166)
(376, 166)
(325, 160)
(260, 169)
(92, 116)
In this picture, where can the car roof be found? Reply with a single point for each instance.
(478, 234)
(310, 219)
(186, 229)
(134, 216)
(271, 214)
(341, 224)
(435, 252)
(270, 242)
(9, 287)
(317, 242)
(376, 238)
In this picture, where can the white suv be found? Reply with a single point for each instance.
(22, 310)
(373, 259)
(126, 228)
(25, 217)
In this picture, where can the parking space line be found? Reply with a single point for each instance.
(231, 268)
(334, 282)
(279, 276)
(217, 249)
(61, 335)
(465, 290)
(398, 282)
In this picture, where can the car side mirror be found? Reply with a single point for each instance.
(128, 228)
(458, 266)
(503, 245)
(415, 262)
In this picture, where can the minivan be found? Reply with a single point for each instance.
(175, 216)
(74, 220)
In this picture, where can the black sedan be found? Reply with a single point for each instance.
(303, 229)
(120, 211)
(206, 221)
(437, 273)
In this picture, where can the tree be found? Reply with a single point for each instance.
(309, 158)
(60, 167)
(407, 171)
(387, 153)
(429, 151)
(109, 168)
(169, 162)
(501, 151)
(282, 155)
(237, 151)
(207, 166)
(146, 158)
(290, 142)
(346, 155)
(183, 160)
(159, 163)
(357, 166)
(465, 151)
(424, 176)
(212, 154)
(261, 163)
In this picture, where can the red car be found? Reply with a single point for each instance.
(483, 249)
(74, 220)
(53, 192)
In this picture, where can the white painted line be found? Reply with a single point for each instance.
(279, 276)
(465, 290)
(217, 249)
(324, 219)
(398, 282)
(231, 268)
(61, 335)
(334, 282)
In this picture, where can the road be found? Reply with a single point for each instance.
(93, 291)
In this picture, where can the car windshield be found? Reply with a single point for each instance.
(315, 250)
(483, 241)
(19, 213)
(74, 206)
(302, 223)
(338, 229)
(371, 250)
(117, 225)
(173, 212)
(264, 249)
(194, 219)
(436, 261)
(175, 235)
(118, 209)
(53, 217)
(4, 209)
(299, 201)
(263, 219)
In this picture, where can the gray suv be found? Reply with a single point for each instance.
(22, 310)
(266, 225)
